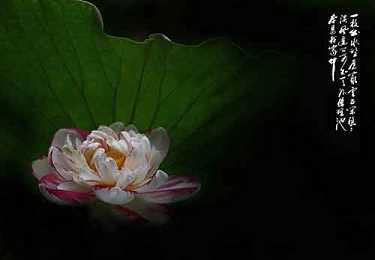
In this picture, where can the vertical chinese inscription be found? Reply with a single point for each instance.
(343, 47)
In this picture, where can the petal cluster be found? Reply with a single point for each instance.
(115, 164)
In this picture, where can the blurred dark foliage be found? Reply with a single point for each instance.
(303, 194)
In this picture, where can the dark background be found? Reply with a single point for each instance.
(303, 194)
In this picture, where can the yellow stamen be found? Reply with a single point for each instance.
(89, 153)
(118, 156)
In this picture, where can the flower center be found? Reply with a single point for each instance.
(116, 155)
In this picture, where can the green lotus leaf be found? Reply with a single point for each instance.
(59, 69)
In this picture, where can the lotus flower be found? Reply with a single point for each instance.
(115, 164)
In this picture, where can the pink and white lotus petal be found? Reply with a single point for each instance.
(108, 131)
(41, 167)
(51, 180)
(60, 163)
(65, 197)
(159, 148)
(172, 189)
(61, 135)
(143, 211)
(46, 174)
(114, 195)
(159, 138)
(66, 193)
(159, 141)
(117, 127)
(82, 132)
(157, 180)
(131, 128)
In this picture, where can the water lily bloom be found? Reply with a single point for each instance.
(115, 164)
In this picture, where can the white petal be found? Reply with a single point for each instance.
(78, 142)
(146, 144)
(140, 173)
(115, 144)
(125, 136)
(89, 146)
(72, 186)
(131, 128)
(160, 141)
(114, 195)
(41, 167)
(124, 147)
(159, 179)
(155, 160)
(160, 145)
(106, 167)
(99, 137)
(60, 164)
(176, 188)
(140, 149)
(126, 177)
(67, 193)
(69, 141)
(60, 137)
(51, 180)
(117, 127)
(108, 131)
(86, 175)
(51, 197)
(136, 159)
